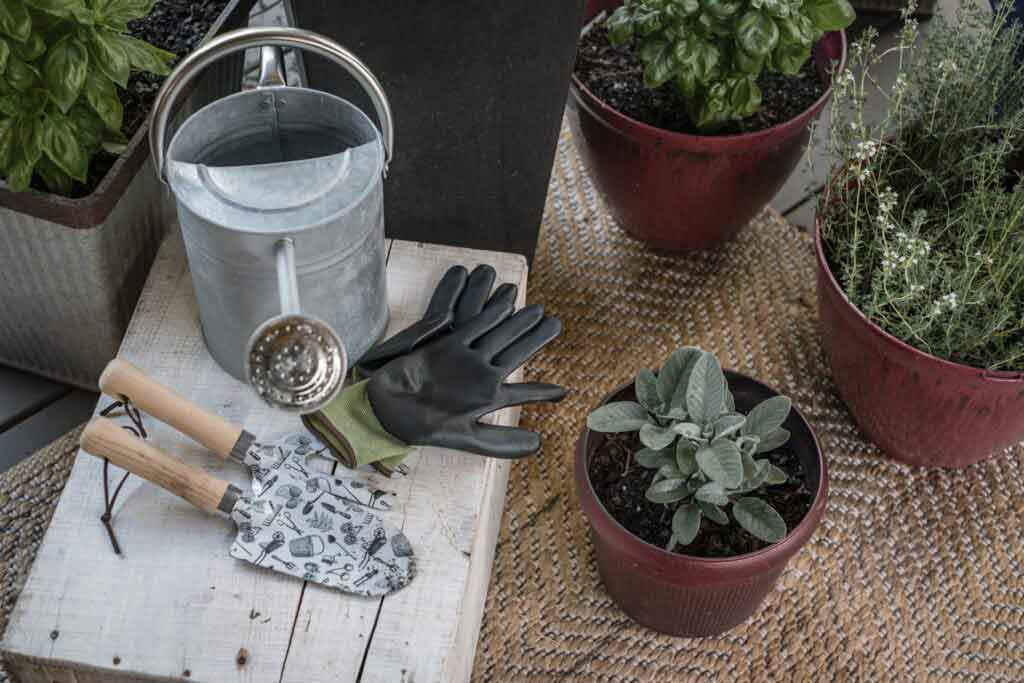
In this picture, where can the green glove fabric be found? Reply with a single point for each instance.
(349, 428)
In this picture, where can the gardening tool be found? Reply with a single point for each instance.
(280, 192)
(279, 465)
(285, 542)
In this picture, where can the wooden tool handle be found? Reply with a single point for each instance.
(121, 378)
(105, 439)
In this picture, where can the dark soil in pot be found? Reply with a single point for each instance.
(615, 75)
(623, 497)
(173, 25)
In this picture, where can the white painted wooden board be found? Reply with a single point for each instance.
(177, 607)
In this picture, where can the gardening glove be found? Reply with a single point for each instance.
(436, 395)
(459, 297)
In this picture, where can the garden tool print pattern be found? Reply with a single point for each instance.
(317, 526)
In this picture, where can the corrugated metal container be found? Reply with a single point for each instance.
(71, 270)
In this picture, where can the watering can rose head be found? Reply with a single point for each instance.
(712, 51)
(701, 450)
(60, 64)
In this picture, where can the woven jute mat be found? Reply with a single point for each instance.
(28, 497)
(914, 575)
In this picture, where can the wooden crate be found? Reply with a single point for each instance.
(177, 607)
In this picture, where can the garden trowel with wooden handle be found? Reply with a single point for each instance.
(272, 463)
(334, 544)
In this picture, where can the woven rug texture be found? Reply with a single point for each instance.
(914, 574)
(29, 492)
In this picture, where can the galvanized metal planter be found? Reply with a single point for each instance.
(71, 270)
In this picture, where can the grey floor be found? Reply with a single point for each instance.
(35, 411)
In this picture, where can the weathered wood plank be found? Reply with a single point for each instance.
(176, 602)
(450, 505)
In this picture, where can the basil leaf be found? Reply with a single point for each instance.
(6, 141)
(101, 95)
(757, 33)
(55, 179)
(121, 11)
(109, 55)
(31, 48)
(829, 15)
(20, 75)
(145, 57)
(791, 58)
(59, 8)
(5, 52)
(15, 20)
(62, 147)
(745, 97)
(65, 69)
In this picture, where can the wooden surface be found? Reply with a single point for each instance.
(177, 607)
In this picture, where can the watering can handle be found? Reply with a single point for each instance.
(243, 39)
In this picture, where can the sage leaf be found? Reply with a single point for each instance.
(760, 519)
(670, 471)
(688, 430)
(712, 492)
(668, 491)
(686, 523)
(713, 512)
(776, 439)
(651, 459)
(674, 376)
(15, 20)
(749, 466)
(686, 457)
(730, 401)
(615, 417)
(773, 476)
(721, 462)
(728, 425)
(705, 392)
(656, 437)
(65, 68)
(101, 94)
(767, 416)
(646, 386)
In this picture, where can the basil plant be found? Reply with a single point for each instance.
(60, 64)
(700, 449)
(712, 51)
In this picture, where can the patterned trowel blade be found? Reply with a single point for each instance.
(280, 464)
(331, 543)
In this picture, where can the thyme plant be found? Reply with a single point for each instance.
(699, 449)
(924, 218)
(61, 62)
(712, 51)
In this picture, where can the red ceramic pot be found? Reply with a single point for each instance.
(687, 192)
(694, 596)
(919, 409)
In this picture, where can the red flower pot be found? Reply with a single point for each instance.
(686, 192)
(919, 409)
(694, 596)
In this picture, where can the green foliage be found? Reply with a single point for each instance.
(712, 51)
(60, 64)
(701, 451)
(922, 222)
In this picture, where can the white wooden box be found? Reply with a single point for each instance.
(177, 607)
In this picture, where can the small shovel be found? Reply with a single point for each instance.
(338, 546)
(273, 464)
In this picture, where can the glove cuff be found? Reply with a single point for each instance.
(348, 426)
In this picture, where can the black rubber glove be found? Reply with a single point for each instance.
(436, 395)
(458, 298)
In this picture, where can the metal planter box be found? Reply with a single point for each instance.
(478, 90)
(71, 270)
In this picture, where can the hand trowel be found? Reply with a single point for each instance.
(335, 545)
(273, 464)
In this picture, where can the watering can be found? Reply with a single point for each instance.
(279, 192)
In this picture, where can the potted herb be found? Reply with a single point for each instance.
(920, 257)
(81, 211)
(699, 485)
(691, 115)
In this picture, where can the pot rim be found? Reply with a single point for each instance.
(635, 546)
(918, 356)
(621, 122)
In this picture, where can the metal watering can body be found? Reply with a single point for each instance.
(279, 193)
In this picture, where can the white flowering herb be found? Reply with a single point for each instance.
(923, 224)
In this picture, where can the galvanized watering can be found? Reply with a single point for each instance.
(280, 194)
